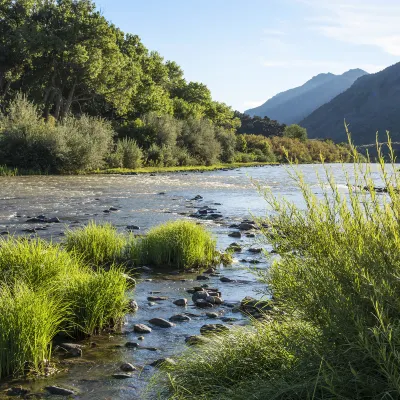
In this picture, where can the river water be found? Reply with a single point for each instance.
(145, 201)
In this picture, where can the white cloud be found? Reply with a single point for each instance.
(328, 66)
(360, 22)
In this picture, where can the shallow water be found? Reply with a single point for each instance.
(146, 200)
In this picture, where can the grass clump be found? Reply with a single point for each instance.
(46, 290)
(29, 320)
(181, 244)
(336, 285)
(98, 245)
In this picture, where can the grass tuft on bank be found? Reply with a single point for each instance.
(46, 290)
(180, 244)
(96, 244)
(336, 334)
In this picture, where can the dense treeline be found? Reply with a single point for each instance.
(77, 94)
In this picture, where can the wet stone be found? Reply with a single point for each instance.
(212, 315)
(163, 362)
(127, 367)
(161, 323)
(141, 328)
(203, 304)
(180, 302)
(235, 235)
(202, 278)
(121, 376)
(17, 391)
(59, 391)
(226, 279)
(213, 329)
(133, 306)
(131, 345)
(180, 318)
(157, 298)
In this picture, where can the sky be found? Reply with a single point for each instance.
(248, 51)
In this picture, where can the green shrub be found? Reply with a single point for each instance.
(180, 244)
(29, 320)
(98, 245)
(127, 155)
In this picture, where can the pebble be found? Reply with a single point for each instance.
(212, 315)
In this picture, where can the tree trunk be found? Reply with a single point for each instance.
(68, 103)
(59, 102)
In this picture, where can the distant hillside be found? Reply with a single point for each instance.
(293, 105)
(372, 104)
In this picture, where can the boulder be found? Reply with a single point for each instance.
(199, 295)
(161, 323)
(245, 226)
(212, 315)
(141, 328)
(255, 250)
(225, 279)
(131, 345)
(202, 278)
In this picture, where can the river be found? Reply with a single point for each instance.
(145, 201)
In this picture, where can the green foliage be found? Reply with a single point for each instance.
(29, 321)
(126, 155)
(259, 126)
(335, 322)
(180, 244)
(45, 291)
(295, 132)
(98, 245)
(28, 142)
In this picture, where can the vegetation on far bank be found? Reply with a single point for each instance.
(96, 98)
(333, 331)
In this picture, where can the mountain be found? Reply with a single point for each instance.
(293, 105)
(371, 104)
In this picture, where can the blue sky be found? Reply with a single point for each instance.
(247, 51)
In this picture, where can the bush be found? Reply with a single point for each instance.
(29, 321)
(180, 244)
(98, 245)
(126, 155)
(295, 132)
(28, 142)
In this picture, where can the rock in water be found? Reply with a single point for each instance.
(213, 329)
(181, 302)
(127, 367)
(163, 362)
(133, 306)
(141, 328)
(162, 323)
(59, 391)
(122, 376)
(180, 318)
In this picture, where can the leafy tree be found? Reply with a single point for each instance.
(295, 132)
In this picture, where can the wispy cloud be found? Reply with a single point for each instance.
(362, 22)
(326, 65)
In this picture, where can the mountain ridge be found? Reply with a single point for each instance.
(293, 105)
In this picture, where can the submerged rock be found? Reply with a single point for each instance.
(194, 340)
(203, 304)
(59, 391)
(235, 235)
(162, 323)
(225, 279)
(141, 328)
(17, 391)
(202, 278)
(157, 298)
(133, 228)
(212, 315)
(121, 376)
(255, 250)
(71, 349)
(163, 362)
(245, 226)
(180, 318)
(131, 345)
(213, 329)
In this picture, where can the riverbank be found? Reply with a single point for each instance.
(186, 168)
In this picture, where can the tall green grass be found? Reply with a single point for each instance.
(98, 245)
(8, 171)
(29, 320)
(46, 290)
(181, 244)
(336, 284)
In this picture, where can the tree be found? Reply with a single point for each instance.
(295, 132)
